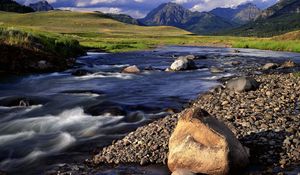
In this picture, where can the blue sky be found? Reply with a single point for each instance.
(139, 8)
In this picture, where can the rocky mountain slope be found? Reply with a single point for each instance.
(171, 14)
(41, 6)
(280, 18)
(242, 14)
(12, 6)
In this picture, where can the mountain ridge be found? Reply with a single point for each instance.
(278, 19)
(172, 14)
(13, 6)
(241, 14)
(41, 6)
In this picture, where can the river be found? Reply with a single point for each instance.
(68, 116)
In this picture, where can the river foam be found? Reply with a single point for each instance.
(24, 141)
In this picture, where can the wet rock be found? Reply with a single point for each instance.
(134, 117)
(216, 70)
(269, 66)
(189, 57)
(199, 141)
(44, 65)
(81, 72)
(242, 84)
(106, 108)
(22, 101)
(236, 51)
(131, 70)
(233, 63)
(288, 64)
(183, 63)
(83, 92)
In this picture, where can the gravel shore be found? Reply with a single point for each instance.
(266, 120)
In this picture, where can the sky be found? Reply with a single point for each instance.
(139, 8)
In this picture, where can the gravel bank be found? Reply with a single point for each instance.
(266, 120)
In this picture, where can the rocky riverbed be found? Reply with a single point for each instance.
(266, 120)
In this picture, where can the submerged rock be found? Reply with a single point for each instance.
(269, 66)
(202, 144)
(15, 101)
(106, 108)
(189, 57)
(131, 70)
(216, 70)
(183, 63)
(233, 63)
(242, 84)
(81, 72)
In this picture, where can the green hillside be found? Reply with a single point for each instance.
(93, 30)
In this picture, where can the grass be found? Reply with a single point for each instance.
(92, 30)
(55, 44)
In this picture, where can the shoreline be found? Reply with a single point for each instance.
(148, 145)
(273, 140)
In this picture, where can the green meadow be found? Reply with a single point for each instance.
(95, 31)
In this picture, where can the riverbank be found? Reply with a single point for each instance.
(24, 51)
(265, 120)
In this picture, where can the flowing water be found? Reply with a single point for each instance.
(47, 119)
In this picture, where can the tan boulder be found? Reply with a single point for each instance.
(131, 70)
(182, 172)
(202, 144)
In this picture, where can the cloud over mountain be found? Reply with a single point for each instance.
(139, 8)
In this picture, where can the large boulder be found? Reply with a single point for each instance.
(182, 172)
(183, 63)
(131, 70)
(269, 66)
(242, 84)
(202, 144)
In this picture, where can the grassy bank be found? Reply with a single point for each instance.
(93, 30)
(23, 51)
(41, 41)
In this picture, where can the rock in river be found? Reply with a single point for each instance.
(216, 70)
(131, 70)
(202, 144)
(288, 64)
(242, 84)
(269, 66)
(81, 72)
(183, 63)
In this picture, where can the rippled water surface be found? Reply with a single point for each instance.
(69, 116)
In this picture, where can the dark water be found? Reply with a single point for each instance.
(68, 115)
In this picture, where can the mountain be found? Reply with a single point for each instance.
(121, 18)
(280, 18)
(12, 6)
(281, 8)
(242, 14)
(171, 14)
(41, 6)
